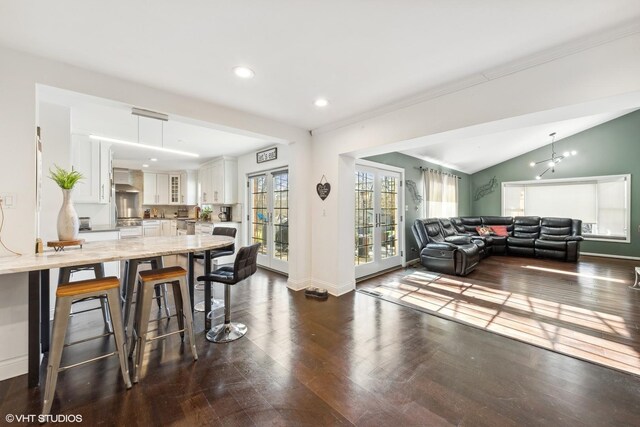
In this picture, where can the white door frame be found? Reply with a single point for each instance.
(373, 267)
(268, 261)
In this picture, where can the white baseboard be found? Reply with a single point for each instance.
(298, 285)
(14, 367)
(610, 256)
(333, 289)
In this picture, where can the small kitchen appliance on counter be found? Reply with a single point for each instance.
(225, 213)
(85, 223)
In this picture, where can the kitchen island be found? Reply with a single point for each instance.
(38, 266)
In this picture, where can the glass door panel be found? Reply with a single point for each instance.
(269, 218)
(364, 217)
(281, 216)
(259, 211)
(378, 220)
(388, 225)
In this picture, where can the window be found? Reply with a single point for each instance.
(602, 203)
(441, 190)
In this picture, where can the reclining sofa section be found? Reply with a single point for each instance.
(453, 246)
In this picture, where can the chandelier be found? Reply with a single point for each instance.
(555, 158)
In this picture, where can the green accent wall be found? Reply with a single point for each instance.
(409, 164)
(612, 148)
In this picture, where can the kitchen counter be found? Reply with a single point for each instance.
(214, 222)
(100, 228)
(167, 219)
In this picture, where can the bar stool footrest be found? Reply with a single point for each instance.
(84, 362)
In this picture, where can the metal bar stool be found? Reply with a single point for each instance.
(147, 281)
(215, 253)
(67, 294)
(64, 277)
(244, 267)
(130, 282)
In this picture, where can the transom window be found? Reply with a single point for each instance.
(601, 202)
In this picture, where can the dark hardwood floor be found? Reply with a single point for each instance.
(583, 310)
(353, 360)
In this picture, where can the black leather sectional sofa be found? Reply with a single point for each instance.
(453, 245)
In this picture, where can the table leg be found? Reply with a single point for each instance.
(207, 290)
(34, 329)
(190, 278)
(44, 310)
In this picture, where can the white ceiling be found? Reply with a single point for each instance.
(474, 154)
(359, 54)
(101, 117)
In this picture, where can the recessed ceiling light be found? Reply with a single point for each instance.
(321, 102)
(145, 165)
(243, 72)
(153, 159)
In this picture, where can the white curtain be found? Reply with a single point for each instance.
(441, 191)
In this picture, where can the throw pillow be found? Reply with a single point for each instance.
(500, 230)
(483, 231)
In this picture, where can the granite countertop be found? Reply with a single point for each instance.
(101, 228)
(112, 250)
(167, 219)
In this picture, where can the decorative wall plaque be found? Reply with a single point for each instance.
(323, 188)
(485, 189)
(267, 155)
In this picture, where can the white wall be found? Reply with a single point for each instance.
(19, 75)
(572, 85)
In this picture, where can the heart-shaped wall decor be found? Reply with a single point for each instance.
(323, 190)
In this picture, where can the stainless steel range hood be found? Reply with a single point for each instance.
(126, 188)
(123, 181)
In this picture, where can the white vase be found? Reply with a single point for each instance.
(68, 222)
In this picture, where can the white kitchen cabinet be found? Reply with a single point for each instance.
(189, 187)
(93, 160)
(169, 228)
(106, 172)
(156, 189)
(219, 181)
(162, 188)
(204, 228)
(149, 190)
(151, 228)
(204, 179)
(175, 189)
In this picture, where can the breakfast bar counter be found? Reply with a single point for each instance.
(38, 266)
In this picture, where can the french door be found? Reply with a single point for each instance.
(378, 219)
(268, 218)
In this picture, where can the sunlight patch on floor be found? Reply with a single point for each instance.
(571, 273)
(510, 314)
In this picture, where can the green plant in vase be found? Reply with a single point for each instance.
(205, 213)
(68, 225)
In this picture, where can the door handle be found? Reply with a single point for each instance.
(102, 192)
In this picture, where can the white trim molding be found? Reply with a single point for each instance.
(298, 285)
(13, 367)
(335, 290)
(609, 255)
